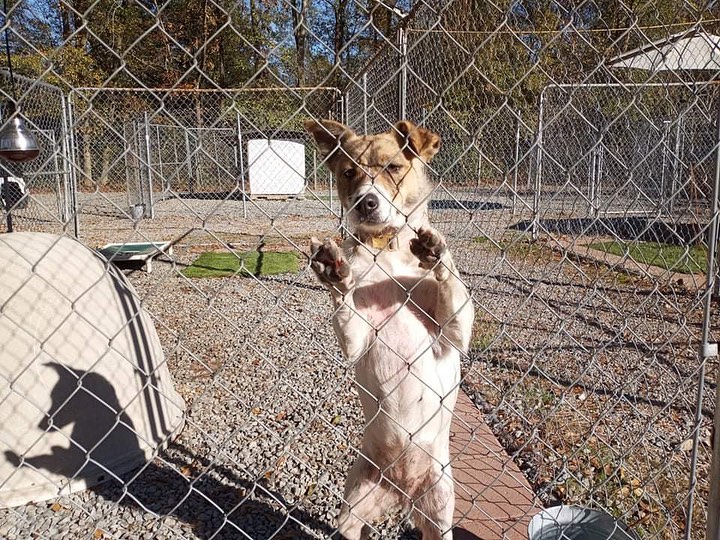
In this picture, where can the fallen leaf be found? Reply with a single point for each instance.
(282, 415)
(256, 410)
(99, 533)
(186, 470)
(336, 420)
(687, 445)
(638, 492)
(310, 489)
(56, 507)
(648, 507)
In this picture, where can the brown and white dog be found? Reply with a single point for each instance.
(402, 317)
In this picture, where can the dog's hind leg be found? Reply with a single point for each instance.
(435, 507)
(367, 497)
(453, 310)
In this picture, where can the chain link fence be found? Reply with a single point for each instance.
(138, 147)
(208, 398)
(627, 149)
(41, 195)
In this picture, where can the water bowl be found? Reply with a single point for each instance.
(577, 523)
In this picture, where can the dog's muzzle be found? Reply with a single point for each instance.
(371, 207)
(367, 204)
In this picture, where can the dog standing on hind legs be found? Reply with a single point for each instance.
(402, 316)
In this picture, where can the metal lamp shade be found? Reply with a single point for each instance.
(17, 142)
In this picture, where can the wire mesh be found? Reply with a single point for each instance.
(44, 192)
(624, 148)
(137, 146)
(578, 200)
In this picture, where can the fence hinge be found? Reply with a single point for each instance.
(709, 350)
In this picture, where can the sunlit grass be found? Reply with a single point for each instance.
(684, 259)
(252, 263)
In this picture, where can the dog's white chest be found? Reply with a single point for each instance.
(391, 295)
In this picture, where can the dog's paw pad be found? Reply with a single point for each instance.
(328, 261)
(429, 246)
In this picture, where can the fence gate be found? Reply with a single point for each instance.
(48, 180)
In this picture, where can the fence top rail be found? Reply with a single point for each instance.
(31, 81)
(209, 90)
(688, 84)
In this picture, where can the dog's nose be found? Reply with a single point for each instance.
(368, 203)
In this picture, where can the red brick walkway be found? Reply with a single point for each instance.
(493, 498)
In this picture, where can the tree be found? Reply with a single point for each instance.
(299, 22)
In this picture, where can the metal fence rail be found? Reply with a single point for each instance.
(579, 200)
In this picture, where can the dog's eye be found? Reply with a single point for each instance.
(393, 168)
(349, 173)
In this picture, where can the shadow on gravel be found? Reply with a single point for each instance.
(216, 501)
(625, 228)
(234, 195)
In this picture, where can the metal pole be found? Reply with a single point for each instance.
(314, 155)
(708, 350)
(6, 203)
(188, 158)
(402, 81)
(676, 166)
(365, 104)
(241, 164)
(662, 199)
(592, 178)
(149, 212)
(597, 202)
(479, 166)
(341, 107)
(516, 165)
(126, 155)
(346, 102)
(65, 162)
(62, 203)
(538, 168)
(160, 160)
(69, 126)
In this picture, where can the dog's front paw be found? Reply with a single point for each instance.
(330, 265)
(430, 247)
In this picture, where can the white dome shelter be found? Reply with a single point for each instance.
(85, 394)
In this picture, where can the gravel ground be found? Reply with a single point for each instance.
(586, 373)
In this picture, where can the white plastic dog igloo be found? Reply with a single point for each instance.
(85, 393)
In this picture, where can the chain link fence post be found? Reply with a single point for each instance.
(402, 44)
(709, 350)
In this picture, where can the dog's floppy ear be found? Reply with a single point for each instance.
(417, 141)
(328, 134)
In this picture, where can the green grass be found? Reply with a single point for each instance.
(222, 264)
(481, 239)
(687, 260)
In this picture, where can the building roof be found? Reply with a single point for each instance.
(686, 51)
